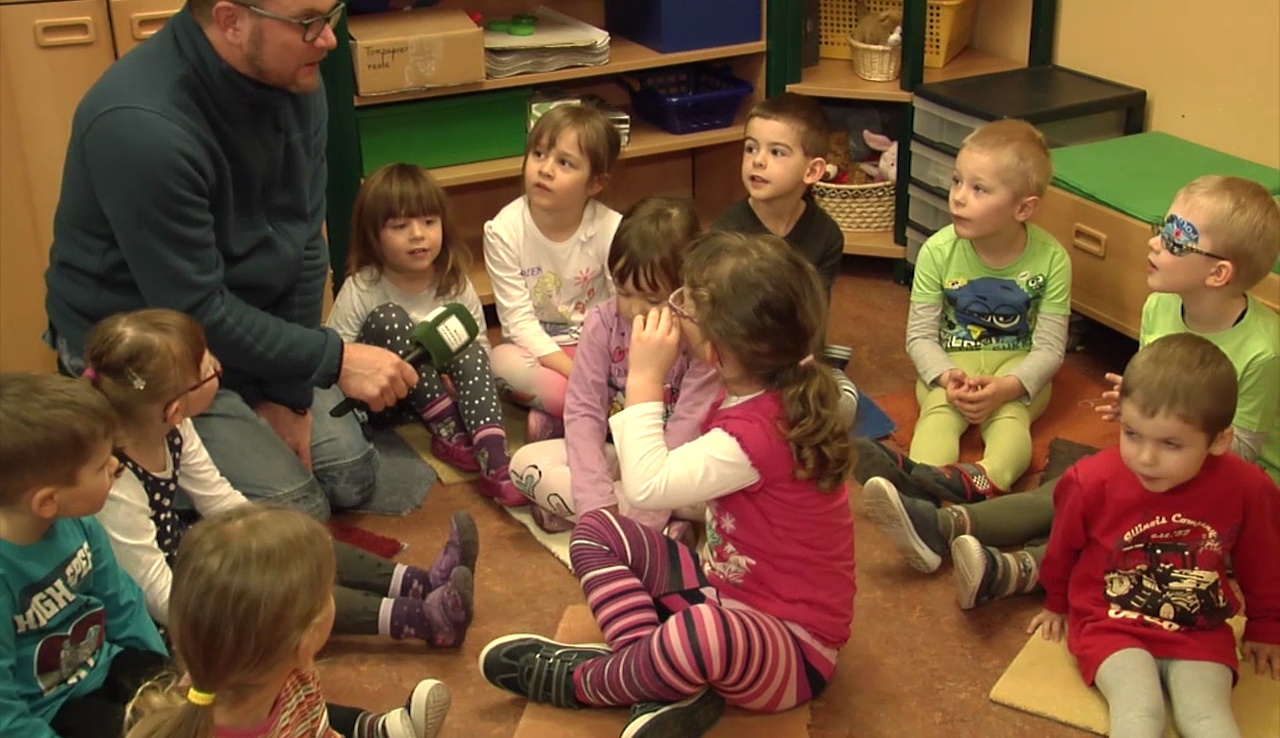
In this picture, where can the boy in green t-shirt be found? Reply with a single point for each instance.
(1219, 240)
(987, 326)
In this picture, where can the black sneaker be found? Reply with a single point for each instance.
(911, 524)
(691, 717)
(535, 667)
(874, 459)
(955, 482)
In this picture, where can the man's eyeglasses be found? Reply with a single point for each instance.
(677, 303)
(1177, 236)
(311, 27)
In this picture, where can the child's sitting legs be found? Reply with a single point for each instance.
(1200, 692)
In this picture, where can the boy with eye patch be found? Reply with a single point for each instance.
(1219, 239)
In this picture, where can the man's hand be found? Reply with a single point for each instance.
(984, 394)
(1052, 625)
(655, 344)
(1265, 658)
(374, 376)
(1109, 408)
(293, 428)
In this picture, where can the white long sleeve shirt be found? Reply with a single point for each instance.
(543, 289)
(126, 517)
(367, 289)
(657, 478)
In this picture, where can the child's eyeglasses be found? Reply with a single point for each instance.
(1179, 238)
(677, 303)
(214, 373)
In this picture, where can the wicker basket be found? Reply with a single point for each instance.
(858, 208)
(876, 63)
(948, 27)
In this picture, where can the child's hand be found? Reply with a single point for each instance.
(1052, 625)
(655, 344)
(955, 382)
(983, 395)
(1265, 658)
(1109, 408)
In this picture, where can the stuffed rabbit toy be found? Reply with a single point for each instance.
(887, 169)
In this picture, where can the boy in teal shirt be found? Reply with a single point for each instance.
(75, 638)
(1219, 240)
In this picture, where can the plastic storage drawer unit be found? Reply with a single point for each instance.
(931, 167)
(1067, 106)
(926, 210)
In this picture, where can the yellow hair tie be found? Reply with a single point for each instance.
(196, 697)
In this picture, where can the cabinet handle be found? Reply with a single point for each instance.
(144, 25)
(1088, 240)
(65, 31)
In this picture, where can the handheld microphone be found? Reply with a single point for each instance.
(447, 332)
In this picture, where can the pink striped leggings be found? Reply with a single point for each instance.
(669, 633)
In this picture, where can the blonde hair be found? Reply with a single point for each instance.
(405, 191)
(1186, 376)
(597, 137)
(248, 585)
(1026, 165)
(802, 113)
(1242, 221)
(143, 358)
(758, 299)
(648, 247)
(50, 428)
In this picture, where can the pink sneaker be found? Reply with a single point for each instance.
(456, 452)
(499, 488)
(542, 426)
(549, 522)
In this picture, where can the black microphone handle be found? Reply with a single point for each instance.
(347, 405)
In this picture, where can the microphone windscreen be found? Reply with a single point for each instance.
(447, 331)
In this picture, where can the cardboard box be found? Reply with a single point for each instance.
(415, 49)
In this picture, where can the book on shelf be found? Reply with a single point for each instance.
(548, 98)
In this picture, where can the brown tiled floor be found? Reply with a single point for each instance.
(915, 666)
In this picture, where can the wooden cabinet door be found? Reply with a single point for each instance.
(135, 21)
(50, 53)
(1108, 253)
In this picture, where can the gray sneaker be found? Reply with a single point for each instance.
(975, 573)
(691, 717)
(536, 667)
(911, 524)
(878, 460)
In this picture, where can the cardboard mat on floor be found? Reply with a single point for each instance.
(544, 721)
(1043, 680)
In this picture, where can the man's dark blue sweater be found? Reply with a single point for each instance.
(189, 186)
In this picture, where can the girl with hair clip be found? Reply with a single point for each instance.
(775, 577)
(405, 260)
(156, 371)
(546, 254)
(245, 668)
(569, 477)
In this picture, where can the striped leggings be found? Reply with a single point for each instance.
(670, 635)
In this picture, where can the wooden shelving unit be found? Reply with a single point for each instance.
(872, 243)
(624, 56)
(834, 78)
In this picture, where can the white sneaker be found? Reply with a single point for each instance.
(427, 707)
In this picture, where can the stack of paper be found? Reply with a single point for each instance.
(558, 41)
(548, 98)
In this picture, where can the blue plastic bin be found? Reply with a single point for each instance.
(682, 25)
(688, 99)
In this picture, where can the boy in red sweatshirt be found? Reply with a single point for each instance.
(1135, 570)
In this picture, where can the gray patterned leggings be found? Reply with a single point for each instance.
(1200, 692)
(476, 397)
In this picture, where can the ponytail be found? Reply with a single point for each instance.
(817, 436)
(160, 710)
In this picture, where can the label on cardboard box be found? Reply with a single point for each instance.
(415, 49)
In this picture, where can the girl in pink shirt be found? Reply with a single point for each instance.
(756, 618)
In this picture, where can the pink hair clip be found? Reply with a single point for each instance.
(89, 374)
(806, 361)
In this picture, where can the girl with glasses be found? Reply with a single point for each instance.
(579, 473)
(155, 369)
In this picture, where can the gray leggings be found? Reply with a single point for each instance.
(389, 326)
(1200, 691)
(363, 581)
